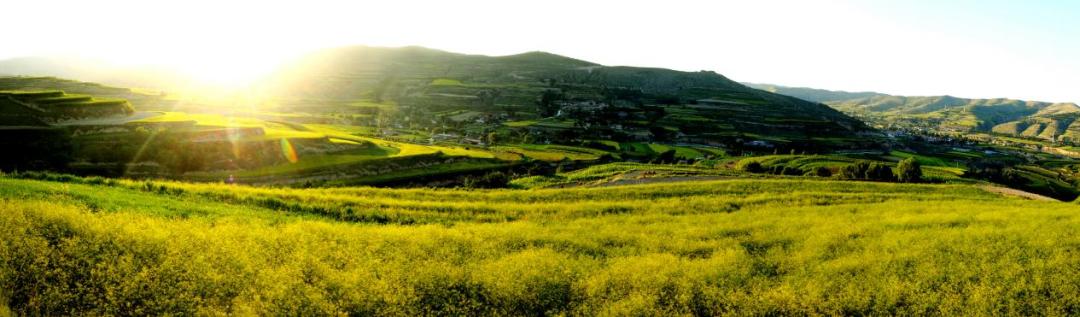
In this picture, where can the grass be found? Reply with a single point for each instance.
(788, 247)
(307, 163)
(922, 159)
(519, 124)
(445, 82)
(272, 130)
(616, 172)
(403, 149)
(552, 153)
(804, 162)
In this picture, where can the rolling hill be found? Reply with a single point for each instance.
(94, 70)
(561, 98)
(1033, 119)
(548, 97)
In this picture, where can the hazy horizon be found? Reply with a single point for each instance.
(965, 49)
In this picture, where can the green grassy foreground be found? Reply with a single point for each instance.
(780, 246)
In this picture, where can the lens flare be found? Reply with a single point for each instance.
(289, 151)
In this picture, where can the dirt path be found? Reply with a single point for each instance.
(1016, 193)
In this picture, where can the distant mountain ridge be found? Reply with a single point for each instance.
(813, 94)
(92, 70)
(1035, 119)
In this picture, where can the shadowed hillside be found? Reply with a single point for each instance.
(561, 98)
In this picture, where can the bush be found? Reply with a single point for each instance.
(791, 171)
(490, 180)
(820, 171)
(855, 170)
(866, 170)
(909, 171)
(751, 167)
(879, 172)
(666, 157)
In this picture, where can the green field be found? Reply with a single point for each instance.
(746, 247)
(552, 153)
(608, 174)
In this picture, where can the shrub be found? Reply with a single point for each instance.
(666, 157)
(909, 171)
(751, 167)
(820, 171)
(879, 172)
(792, 171)
(855, 170)
(866, 170)
(490, 180)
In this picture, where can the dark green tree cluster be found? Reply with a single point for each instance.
(786, 170)
(820, 171)
(909, 170)
(867, 170)
(490, 180)
(751, 167)
(779, 169)
(548, 104)
(666, 157)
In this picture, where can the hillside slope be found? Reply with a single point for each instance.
(561, 98)
(1034, 119)
(1008, 116)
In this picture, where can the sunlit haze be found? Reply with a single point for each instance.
(978, 49)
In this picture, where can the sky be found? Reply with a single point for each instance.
(977, 49)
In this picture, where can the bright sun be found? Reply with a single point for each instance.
(222, 66)
(230, 71)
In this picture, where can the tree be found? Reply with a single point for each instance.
(491, 137)
(855, 170)
(751, 167)
(879, 172)
(666, 157)
(821, 171)
(791, 171)
(909, 171)
(548, 105)
(659, 133)
(494, 179)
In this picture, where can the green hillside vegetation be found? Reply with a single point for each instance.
(88, 134)
(539, 97)
(367, 139)
(1028, 119)
(1036, 120)
(55, 105)
(139, 99)
(624, 173)
(99, 247)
